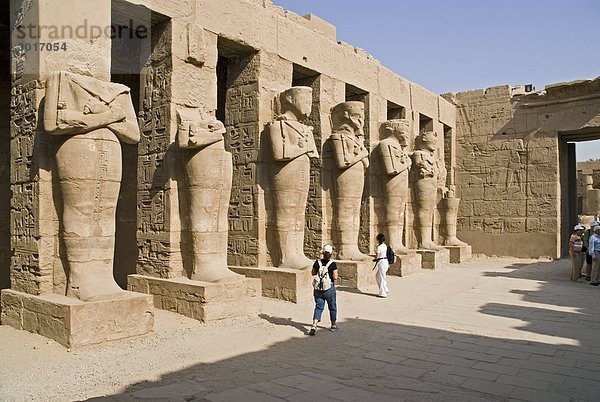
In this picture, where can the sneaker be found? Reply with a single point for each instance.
(313, 330)
(594, 284)
(333, 328)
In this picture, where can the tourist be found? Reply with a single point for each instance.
(588, 257)
(327, 295)
(382, 265)
(575, 247)
(594, 251)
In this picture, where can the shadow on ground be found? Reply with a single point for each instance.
(368, 360)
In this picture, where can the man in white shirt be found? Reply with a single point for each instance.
(382, 266)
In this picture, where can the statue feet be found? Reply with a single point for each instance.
(431, 246)
(400, 250)
(93, 283)
(453, 241)
(222, 275)
(296, 261)
(351, 253)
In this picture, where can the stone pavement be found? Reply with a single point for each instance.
(520, 332)
(492, 329)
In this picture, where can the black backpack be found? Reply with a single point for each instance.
(390, 255)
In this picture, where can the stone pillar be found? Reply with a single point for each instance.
(158, 225)
(591, 197)
(36, 301)
(253, 250)
(179, 91)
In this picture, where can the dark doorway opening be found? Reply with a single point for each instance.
(425, 123)
(578, 203)
(395, 111)
(129, 55)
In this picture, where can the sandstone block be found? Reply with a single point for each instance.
(406, 264)
(459, 254)
(434, 259)
(280, 283)
(356, 274)
(74, 323)
(203, 301)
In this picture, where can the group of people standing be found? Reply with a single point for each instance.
(584, 247)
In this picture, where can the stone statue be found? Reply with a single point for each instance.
(293, 146)
(449, 219)
(396, 163)
(427, 174)
(352, 158)
(449, 212)
(208, 171)
(93, 116)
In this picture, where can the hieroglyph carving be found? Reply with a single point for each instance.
(26, 273)
(397, 164)
(427, 178)
(94, 116)
(208, 171)
(292, 146)
(351, 158)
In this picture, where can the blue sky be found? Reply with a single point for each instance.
(458, 45)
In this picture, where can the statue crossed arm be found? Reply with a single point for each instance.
(77, 104)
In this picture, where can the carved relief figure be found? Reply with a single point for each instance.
(293, 145)
(396, 163)
(93, 116)
(208, 171)
(351, 158)
(428, 173)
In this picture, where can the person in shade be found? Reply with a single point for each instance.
(322, 296)
(575, 248)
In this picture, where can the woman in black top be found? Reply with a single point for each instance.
(328, 295)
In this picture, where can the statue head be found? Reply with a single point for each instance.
(297, 101)
(426, 141)
(351, 114)
(399, 128)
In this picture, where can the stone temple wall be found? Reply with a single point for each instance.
(516, 171)
(231, 59)
(226, 59)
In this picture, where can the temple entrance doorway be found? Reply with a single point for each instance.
(579, 163)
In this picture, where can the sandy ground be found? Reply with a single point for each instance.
(466, 332)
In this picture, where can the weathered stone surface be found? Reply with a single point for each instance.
(434, 259)
(293, 148)
(396, 164)
(459, 254)
(202, 301)
(355, 274)
(75, 323)
(351, 159)
(281, 283)
(406, 264)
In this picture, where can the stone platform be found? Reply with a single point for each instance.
(406, 264)
(459, 254)
(434, 259)
(74, 323)
(203, 301)
(287, 284)
(355, 274)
